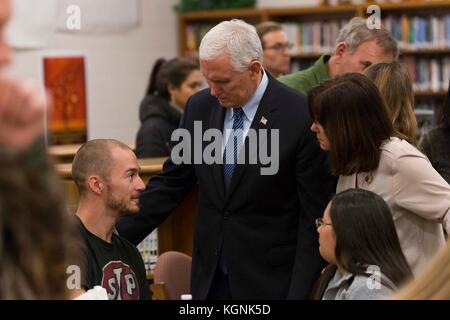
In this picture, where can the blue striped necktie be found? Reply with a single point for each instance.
(232, 146)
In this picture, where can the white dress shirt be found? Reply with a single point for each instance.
(249, 108)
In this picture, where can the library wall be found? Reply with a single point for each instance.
(118, 67)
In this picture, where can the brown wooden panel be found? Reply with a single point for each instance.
(65, 153)
(177, 232)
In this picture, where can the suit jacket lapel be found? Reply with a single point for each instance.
(265, 118)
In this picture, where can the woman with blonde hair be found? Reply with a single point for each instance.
(394, 83)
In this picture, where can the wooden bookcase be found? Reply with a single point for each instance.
(428, 101)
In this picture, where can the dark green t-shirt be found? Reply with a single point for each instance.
(116, 266)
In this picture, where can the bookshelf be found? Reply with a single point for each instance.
(422, 28)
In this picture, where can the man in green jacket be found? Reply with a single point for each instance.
(357, 47)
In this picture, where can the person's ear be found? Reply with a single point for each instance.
(341, 49)
(255, 69)
(96, 184)
(171, 88)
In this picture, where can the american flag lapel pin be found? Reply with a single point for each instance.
(263, 121)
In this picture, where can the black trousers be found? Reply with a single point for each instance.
(220, 287)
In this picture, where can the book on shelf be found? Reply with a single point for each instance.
(411, 32)
(428, 74)
(419, 32)
(313, 37)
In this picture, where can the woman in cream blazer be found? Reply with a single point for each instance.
(351, 122)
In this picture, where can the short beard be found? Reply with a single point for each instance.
(121, 206)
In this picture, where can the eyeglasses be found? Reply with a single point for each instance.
(320, 222)
(280, 46)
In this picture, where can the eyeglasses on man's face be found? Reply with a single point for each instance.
(320, 222)
(280, 46)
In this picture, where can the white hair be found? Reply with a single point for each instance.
(236, 38)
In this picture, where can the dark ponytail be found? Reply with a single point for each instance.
(152, 84)
(174, 71)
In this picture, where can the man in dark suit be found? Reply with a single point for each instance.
(255, 236)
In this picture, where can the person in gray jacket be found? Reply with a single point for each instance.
(357, 237)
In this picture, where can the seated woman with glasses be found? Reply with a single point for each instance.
(357, 238)
(350, 120)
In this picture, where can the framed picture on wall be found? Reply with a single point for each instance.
(64, 77)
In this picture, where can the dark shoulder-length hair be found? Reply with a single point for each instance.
(352, 113)
(174, 71)
(366, 235)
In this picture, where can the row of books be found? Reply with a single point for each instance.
(412, 33)
(313, 37)
(148, 249)
(307, 37)
(428, 74)
(420, 32)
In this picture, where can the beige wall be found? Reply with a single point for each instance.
(118, 67)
